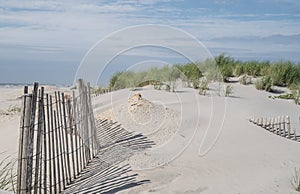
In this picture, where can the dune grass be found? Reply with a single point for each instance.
(295, 181)
(280, 73)
(8, 176)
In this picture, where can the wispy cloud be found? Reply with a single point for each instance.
(62, 28)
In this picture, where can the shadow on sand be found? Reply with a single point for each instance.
(109, 172)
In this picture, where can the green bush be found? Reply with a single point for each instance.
(245, 80)
(264, 83)
(239, 70)
(203, 87)
(284, 73)
(227, 72)
(225, 65)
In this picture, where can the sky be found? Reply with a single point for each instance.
(46, 41)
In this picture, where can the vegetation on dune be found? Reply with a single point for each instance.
(295, 181)
(282, 73)
(267, 74)
(264, 83)
(228, 90)
(8, 176)
(14, 108)
(167, 75)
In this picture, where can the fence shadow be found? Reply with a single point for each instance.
(109, 172)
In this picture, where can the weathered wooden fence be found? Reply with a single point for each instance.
(57, 139)
(280, 125)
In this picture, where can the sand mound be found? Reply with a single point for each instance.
(151, 119)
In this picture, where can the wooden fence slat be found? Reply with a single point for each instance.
(45, 174)
(283, 126)
(78, 165)
(58, 157)
(69, 178)
(69, 107)
(288, 125)
(21, 139)
(22, 177)
(38, 142)
(80, 134)
(92, 121)
(61, 139)
(50, 149)
(84, 120)
(31, 137)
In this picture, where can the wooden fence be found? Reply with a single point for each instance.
(280, 125)
(57, 139)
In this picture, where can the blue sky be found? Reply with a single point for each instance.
(45, 41)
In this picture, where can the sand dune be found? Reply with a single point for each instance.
(204, 144)
(238, 158)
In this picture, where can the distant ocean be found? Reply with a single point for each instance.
(17, 85)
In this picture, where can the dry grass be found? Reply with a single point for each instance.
(8, 176)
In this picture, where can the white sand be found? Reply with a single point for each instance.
(244, 158)
(236, 157)
(9, 121)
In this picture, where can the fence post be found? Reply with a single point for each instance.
(78, 163)
(92, 122)
(31, 137)
(69, 107)
(277, 125)
(288, 125)
(66, 138)
(39, 141)
(269, 124)
(283, 126)
(84, 119)
(60, 138)
(23, 139)
(272, 124)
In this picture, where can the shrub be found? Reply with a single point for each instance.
(225, 64)
(239, 70)
(168, 88)
(203, 87)
(226, 72)
(14, 108)
(264, 83)
(228, 90)
(157, 86)
(284, 74)
(195, 83)
(245, 80)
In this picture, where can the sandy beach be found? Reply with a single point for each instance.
(204, 144)
(245, 158)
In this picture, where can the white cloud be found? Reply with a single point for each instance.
(78, 25)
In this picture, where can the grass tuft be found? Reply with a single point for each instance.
(295, 181)
(8, 176)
